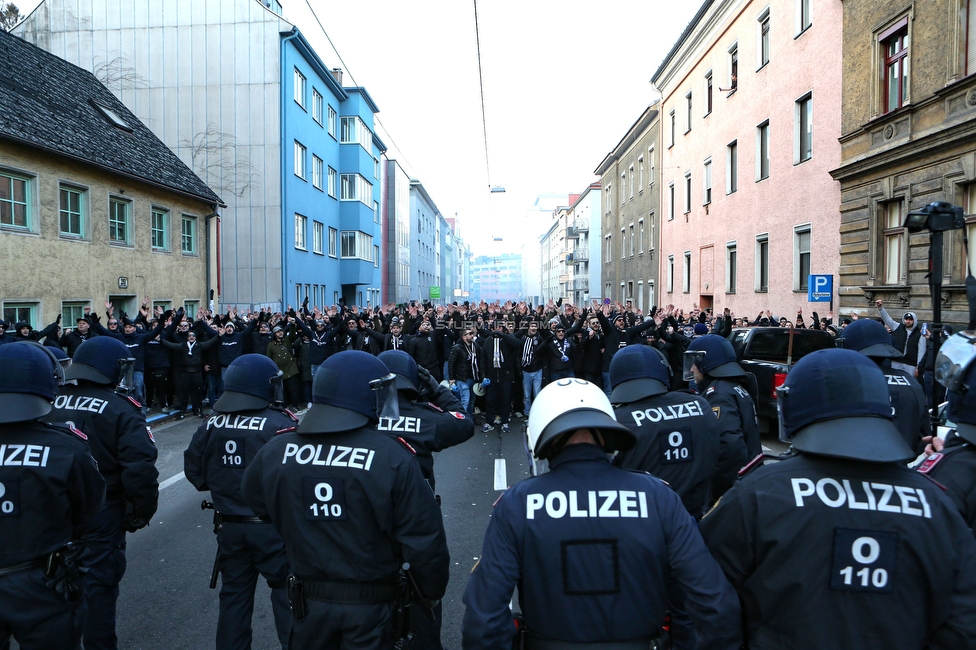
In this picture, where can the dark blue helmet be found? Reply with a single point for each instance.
(836, 403)
(99, 360)
(251, 382)
(870, 338)
(955, 368)
(636, 372)
(714, 356)
(404, 367)
(344, 392)
(28, 383)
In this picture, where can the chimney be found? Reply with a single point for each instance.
(337, 73)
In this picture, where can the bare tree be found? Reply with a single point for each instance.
(117, 75)
(9, 15)
(216, 158)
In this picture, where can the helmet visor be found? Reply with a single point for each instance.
(127, 369)
(781, 397)
(278, 388)
(955, 357)
(387, 400)
(692, 358)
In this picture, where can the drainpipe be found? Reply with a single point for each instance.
(293, 34)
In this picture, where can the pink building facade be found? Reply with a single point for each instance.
(750, 120)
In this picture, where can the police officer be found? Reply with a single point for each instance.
(953, 461)
(352, 506)
(590, 546)
(825, 546)
(48, 484)
(245, 417)
(122, 444)
(677, 435)
(710, 361)
(870, 338)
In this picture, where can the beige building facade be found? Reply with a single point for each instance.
(908, 139)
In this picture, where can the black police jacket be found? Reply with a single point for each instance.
(677, 441)
(954, 468)
(739, 440)
(833, 553)
(50, 485)
(592, 549)
(351, 507)
(120, 440)
(908, 407)
(223, 447)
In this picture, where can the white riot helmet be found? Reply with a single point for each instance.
(570, 404)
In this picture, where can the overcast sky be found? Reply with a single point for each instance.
(563, 81)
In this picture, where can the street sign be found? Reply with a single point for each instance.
(123, 282)
(435, 293)
(820, 288)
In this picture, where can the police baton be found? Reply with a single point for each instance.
(426, 607)
(208, 505)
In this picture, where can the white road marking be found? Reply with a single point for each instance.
(501, 474)
(171, 480)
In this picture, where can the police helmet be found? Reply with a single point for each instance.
(347, 391)
(714, 356)
(955, 368)
(636, 372)
(99, 360)
(835, 403)
(566, 405)
(28, 383)
(404, 367)
(870, 338)
(251, 382)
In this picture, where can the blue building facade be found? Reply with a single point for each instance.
(425, 220)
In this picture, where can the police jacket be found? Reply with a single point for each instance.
(509, 349)
(223, 447)
(120, 441)
(430, 423)
(351, 506)
(954, 468)
(908, 407)
(677, 441)
(51, 484)
(592, 549)
(736, 414)
(834, 553)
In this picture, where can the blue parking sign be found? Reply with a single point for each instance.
(820, 288)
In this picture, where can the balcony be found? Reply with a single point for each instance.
(563, 279)
(572, 232)
(582, 225)
(581, 284)
(581, 255)
(569, 258)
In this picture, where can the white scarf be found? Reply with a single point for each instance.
(498, 358)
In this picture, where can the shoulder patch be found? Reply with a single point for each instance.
(407, 445)
(77, 432)
(434, 407)
(285, 430)
(741, 391)
(711, 389)
(930, 463)
(459, 416)
(751, 465)
(291, 415)
(717, 410)
(499, 498)
(134, 401)
(149, 433)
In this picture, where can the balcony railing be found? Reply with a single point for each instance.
(581, 284)
(582, 225)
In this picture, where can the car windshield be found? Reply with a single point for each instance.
(776, 344)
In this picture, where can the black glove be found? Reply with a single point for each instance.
(64, 572)
(131, 519)
(57, 321)
(428, 384)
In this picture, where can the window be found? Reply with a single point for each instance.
(632, 240)
(688, 100)
(16, 312)
(608, 242)
(376, 256)
(970, 37)
(670, 273)
(623, 188)
(730, 267)
(762, 263)
(318, 237)
(803, 121)
(894, 53)
(316, 106)
(732, 167)
(707, 182)
(651, 238)
(801, 257)
(354, 187)
(190, 307)
(160, 229)
(650, 165)
(299, 160)
(763, 49)
(72, 212)
(623, 243)
(119, 222)
(651, 295)
(971, 227)
(333, 237)
(71, 312)
(640, 233)
(352, 130)
(333, 118)
(316, 172)
(631, 181)
(376, 211)
(733, 68)
(687, 192)
(332, 182)
(609, 197)
(299, 88)
(14, 201)
(301, 232)
(671, 201)
(640, 172)
(189, 235)
(376, 168)
(894, 243)
(686, 280)
(804, 15)
(708, 93)
(762, 151)
(671, 115)
(356, 245)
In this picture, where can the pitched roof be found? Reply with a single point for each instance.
(50, 104)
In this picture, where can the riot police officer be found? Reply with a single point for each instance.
(825, 546)
(48, 484)
(953, 461)
(245, 417)
(710, 361)
(122, 444)
(870, 338)
(352, 506)
(590, 546)
(677, 435)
